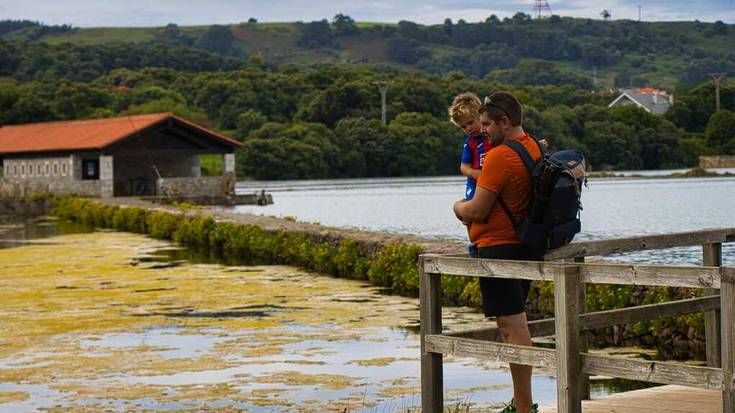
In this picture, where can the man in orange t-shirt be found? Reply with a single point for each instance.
(504, 175)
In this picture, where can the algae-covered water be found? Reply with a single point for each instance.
(107, 321)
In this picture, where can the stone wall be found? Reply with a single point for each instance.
(718, 161)
(135, 170)
(10, 187)
(203, 186)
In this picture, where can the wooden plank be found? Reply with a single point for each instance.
(538, 328)
(584, 378)
(653, 371)
(727, 296)
(712, 257)
(648, 312)
(597, 273)
(566, 307)
(487, 350)
(432, 375)
(654, 275)
(598, 319)
(641, 243)
(665, 399)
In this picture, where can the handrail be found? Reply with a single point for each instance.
(570, 358)
(595, 273)
(642, 243)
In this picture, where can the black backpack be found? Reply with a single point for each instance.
(554, 209)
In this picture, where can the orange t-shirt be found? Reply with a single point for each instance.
(505, 174)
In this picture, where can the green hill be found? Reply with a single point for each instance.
(616, 53)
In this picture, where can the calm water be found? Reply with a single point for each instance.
(612, 208)
(309, 347)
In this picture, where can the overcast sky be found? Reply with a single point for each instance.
(89, 13)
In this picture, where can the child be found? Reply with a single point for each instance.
(465, 113)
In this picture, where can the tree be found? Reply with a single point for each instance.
(249, 121)
(424, 145)
(612, 145)
(316, 34)
(405, 50)
(720, 132)
(290, 151)
(344, 25)
(448, 27)
(218, 39)
(366, 146)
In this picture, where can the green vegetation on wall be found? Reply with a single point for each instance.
(393, 268)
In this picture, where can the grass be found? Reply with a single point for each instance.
(211, 165)
(102, 35)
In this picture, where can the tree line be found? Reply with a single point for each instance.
(322, 122)
(635, 51)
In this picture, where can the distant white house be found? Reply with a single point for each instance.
(651, 100)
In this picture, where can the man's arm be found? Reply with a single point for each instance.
(476, 209)
(468, 171)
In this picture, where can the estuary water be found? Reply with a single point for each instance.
(613, 208)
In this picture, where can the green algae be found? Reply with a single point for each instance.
(70, 304)
(13, 396)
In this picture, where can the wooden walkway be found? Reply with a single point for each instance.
(668, 399)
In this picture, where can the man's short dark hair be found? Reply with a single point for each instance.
(503, 104)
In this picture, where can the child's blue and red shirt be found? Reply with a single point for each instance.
(473, 153)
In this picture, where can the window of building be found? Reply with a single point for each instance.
(63, 169)
(56, 169)
(23, 169)
(38, 169)
(90, 169)
(15, 170)
(46, 169)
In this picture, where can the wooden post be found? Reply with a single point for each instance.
(432, 376)
(584, 379)
(568, 368)
(727, 309)
(712, 257)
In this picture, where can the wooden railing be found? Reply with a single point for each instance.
(567, 269)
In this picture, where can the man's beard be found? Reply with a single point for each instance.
(497, 139)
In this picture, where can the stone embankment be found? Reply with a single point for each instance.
(369, 242)
(718, 161)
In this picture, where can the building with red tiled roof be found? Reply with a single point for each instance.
(154, 154)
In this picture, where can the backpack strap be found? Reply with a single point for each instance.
(530, 165)
(541, 147)
(507, 212)
(523, 153)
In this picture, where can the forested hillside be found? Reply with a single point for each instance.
(306, 106)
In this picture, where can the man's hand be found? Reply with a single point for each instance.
(476, 209)
(456, 210)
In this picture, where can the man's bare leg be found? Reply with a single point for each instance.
(514, 329)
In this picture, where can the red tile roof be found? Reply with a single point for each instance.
(92, 134)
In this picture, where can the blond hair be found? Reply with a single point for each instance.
(464, 105)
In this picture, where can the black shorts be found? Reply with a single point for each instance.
(503, 296)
